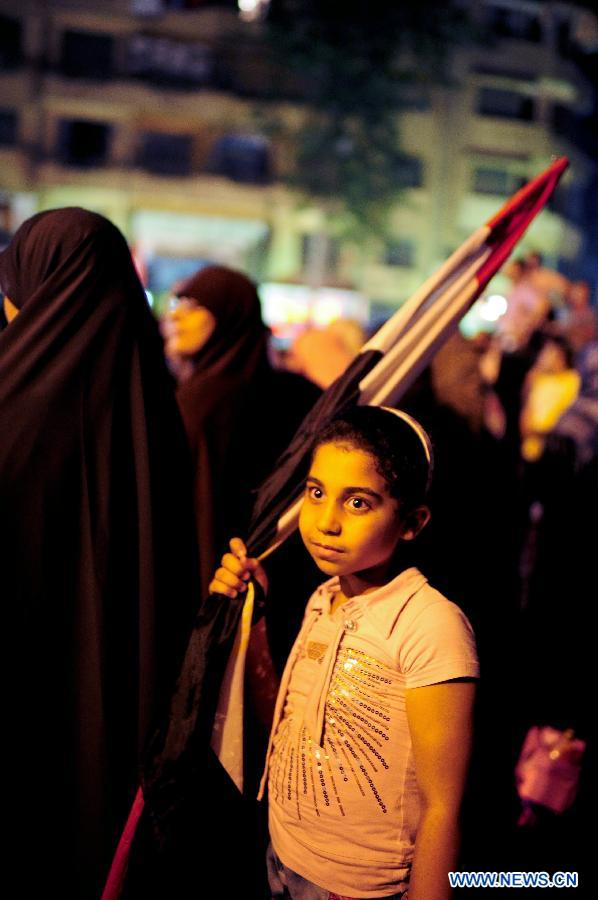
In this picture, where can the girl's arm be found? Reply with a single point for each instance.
(440, 722)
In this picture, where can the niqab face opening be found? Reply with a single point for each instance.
(238, 341)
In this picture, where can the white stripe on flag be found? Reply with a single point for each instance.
(454, 294)
(227, 733)
(460, 260)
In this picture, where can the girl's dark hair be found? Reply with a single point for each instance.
(397, 448)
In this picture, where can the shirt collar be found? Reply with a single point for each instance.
(383, 606)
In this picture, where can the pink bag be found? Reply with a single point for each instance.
(547, 772)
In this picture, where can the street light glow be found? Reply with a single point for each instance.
(252, 10)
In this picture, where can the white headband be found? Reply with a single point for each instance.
(422, 435)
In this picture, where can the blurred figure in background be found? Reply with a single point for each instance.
(97, 552)
(349, 332)
(579, 424)
(548, 283)
(527, 308)
(513, 351)
(322, 354)
(578, 320)
(457, 379)
(550, 387)
(217, 344)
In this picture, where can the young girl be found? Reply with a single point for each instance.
(372, 728)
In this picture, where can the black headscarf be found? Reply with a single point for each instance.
(97, 549)
(232, 409)
(238, 344)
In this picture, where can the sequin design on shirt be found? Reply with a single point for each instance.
(353, 752)
(316, 650)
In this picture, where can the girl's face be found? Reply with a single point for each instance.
(187, 328)
(349, 522)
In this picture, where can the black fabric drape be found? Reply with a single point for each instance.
(97, 546)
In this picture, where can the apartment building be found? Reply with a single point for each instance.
(147, 113)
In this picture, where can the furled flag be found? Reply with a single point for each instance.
(386, 367)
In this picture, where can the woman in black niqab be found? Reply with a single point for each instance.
(97, 548)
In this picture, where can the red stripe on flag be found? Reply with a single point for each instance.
(510, 222)
(116, 875)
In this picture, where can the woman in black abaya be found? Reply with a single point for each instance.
(239, 413)
(97, 549)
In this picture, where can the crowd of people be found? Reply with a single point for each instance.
(526, 460)
(130, 455)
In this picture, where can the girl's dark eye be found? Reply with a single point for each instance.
(315, 493)
(358, 503)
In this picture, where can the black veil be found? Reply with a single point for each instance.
(97, 546)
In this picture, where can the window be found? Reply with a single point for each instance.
(564, 39)
(504, 104)
(487, 180)
(409, 171)
(321, 249)
(573, 202)
(10, 42)
(514, 23)
(87, 54)
(415, 97)
(83, 143)
(166, 154)
(8, 127)
(564, 120)
(578, 129)
(169, 61)
(399, 253)
(242, 157)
